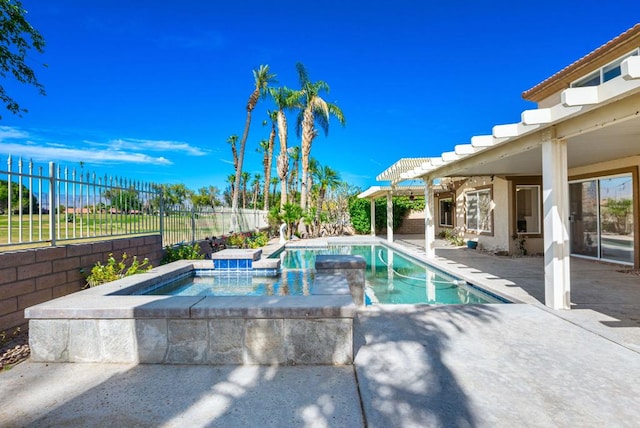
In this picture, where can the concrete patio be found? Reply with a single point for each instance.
(442, 366)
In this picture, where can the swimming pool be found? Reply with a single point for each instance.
(391, 278)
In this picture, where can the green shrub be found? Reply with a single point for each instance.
(238, 240)
(182, 252)
(257, 240)
(360, 212)
(113, 270)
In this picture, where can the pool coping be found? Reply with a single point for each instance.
(106, 324)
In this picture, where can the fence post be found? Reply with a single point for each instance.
(193, 225)
(9, 193)
(52, 207)
(161, 199)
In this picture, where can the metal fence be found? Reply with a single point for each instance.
(46, 205)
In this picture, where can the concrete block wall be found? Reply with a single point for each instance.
(32, 276)
(412, 224)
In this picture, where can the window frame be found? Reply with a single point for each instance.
(603, 74)
(539, 203)
(449, 199)
(477, 192)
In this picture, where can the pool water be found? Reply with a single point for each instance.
(289, 283)
(391, 278)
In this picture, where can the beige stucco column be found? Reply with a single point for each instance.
(390, 216)
(429, 224)
(556, 221)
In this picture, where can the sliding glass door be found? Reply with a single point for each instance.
(602, 220)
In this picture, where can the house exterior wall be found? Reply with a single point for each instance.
(32, 276)
(499, 238)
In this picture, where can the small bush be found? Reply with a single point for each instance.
(258, 240)
(113, 270)
(182, 252)
(238, 240)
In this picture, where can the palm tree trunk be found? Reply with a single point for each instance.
(243, 142)
(267, 173)
(282, 162)
(308, 133)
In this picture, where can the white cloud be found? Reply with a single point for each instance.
(49, 153)
(40, 147)
(8, 132)
(159, 146)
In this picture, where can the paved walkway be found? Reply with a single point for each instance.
(441, 366)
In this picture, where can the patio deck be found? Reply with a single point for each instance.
(442, 366)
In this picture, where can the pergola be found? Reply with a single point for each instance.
(588, 125)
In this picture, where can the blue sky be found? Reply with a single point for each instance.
(152, 89)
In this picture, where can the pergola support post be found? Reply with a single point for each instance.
(429, 224)
(557, 282)
(372, 212)
(390, 216)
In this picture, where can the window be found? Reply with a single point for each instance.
(479, 207)
(528, 209)
(604, 74)
(446, 212)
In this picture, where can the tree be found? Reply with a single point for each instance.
(284, 98)
(206, 197)
(174, 195)
(315, 110)
(267, 160)
(245, 181)
(274, 183)
(291, 214)
(234, 151)
(313, 168)
(17, 38)
(327, 178)
(619, 209)
(228, 193)
(294, 155)
(256, 188)
(262, 78)
(15, 197)
(123, 200)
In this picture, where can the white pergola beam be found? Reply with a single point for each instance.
(480, 141)
(580, 96)
(511, 130)
(630, 68)
(465, 149)
(450, 157)
(537, 116)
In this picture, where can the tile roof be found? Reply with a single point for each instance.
(540, 90)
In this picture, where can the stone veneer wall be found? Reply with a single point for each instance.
(32, 276)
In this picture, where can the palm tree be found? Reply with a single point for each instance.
(327, 178)
(231, 179)
(314, 110)
(274, 183)
(245, 180)
(262, 78)
(232, 141)
(294, 155)
(256, 188)
(284, 98)
(267, 159)
(314, 165)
